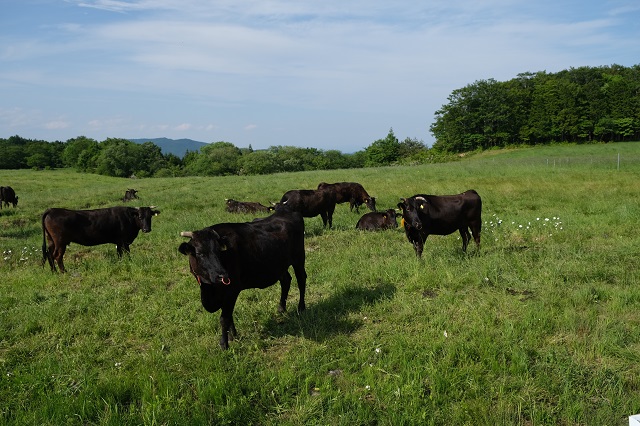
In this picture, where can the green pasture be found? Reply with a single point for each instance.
(540, 326)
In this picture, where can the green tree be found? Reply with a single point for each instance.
(75, 147)
(383, 152)
(259, 163)
(216, 159)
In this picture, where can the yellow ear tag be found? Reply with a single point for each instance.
(421, 206)
(402, 222)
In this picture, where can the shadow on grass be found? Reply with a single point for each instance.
(331, 316)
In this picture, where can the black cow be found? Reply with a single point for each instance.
(115, 225)
(229, 257)
(311, 203)
(424, 215)
(8, 195)
(130, 194)
(234, 206)
(352, 192)
(378, 220)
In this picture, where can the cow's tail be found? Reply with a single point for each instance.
(45, 252)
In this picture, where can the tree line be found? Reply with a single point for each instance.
(579, 105)
(123, 158)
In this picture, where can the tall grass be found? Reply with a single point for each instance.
(540, 326)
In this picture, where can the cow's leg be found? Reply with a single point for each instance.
(466, 237)
(301, 278)
(323, 215)
(285, 285)
(475, 230)
(330, 216)
(58, 254)
(226, 322)
(418, 246)
(123, 248)
(48, 253)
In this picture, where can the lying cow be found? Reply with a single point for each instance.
(130, 194)
(229, 257)
(234, 206)
(115, 225)
(373, 221)
(8, 195)
(311, 203)
(352, 192)
(424, 215)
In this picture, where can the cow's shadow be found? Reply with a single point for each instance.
(329, 317)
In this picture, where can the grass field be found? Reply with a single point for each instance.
(540, 326)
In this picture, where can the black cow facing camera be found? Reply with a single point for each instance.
(426, 215)
(230, 257)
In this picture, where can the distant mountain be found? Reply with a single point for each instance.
(177, 147)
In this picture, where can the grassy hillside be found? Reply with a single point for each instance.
(541, 326)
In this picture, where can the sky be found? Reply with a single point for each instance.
(326, 74)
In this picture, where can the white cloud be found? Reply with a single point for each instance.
(183, 127)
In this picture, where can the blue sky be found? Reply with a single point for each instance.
(331, 74)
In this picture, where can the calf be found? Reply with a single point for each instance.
(352, 192)
(115, 225)
(234, 206)
(130, 194)
(378, 220)
(8, 195)
(311, 203)
(229, 257)
(424, 215)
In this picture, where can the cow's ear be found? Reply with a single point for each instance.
(186, 248)
(401, 206)
(224, 246)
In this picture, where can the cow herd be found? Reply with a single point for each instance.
(227, 258)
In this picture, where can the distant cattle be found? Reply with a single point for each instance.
(115, 225)
(234, 206)
(373, 221)
(351, 192)
(8, 195)
(229, 257)
(425, 215)
(311, 203)
(130, 194)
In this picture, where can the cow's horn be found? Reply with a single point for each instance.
(152, 207)
(421, 199)
(187, 234)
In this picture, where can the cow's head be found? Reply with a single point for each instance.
(411, 210)
(143, 217)
(205, 249)
(370, 203)
(390, 217)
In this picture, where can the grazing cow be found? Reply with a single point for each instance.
(229, 257)
(234, 206)
(130, 194)
(115, 225)
(311, 203)
(352, 192)
(373, 221)
(424, 215)
(8, 195)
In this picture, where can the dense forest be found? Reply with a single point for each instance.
(579, 105)
(585, 104)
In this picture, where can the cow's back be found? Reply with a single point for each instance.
(91, 227)
(261, 251)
